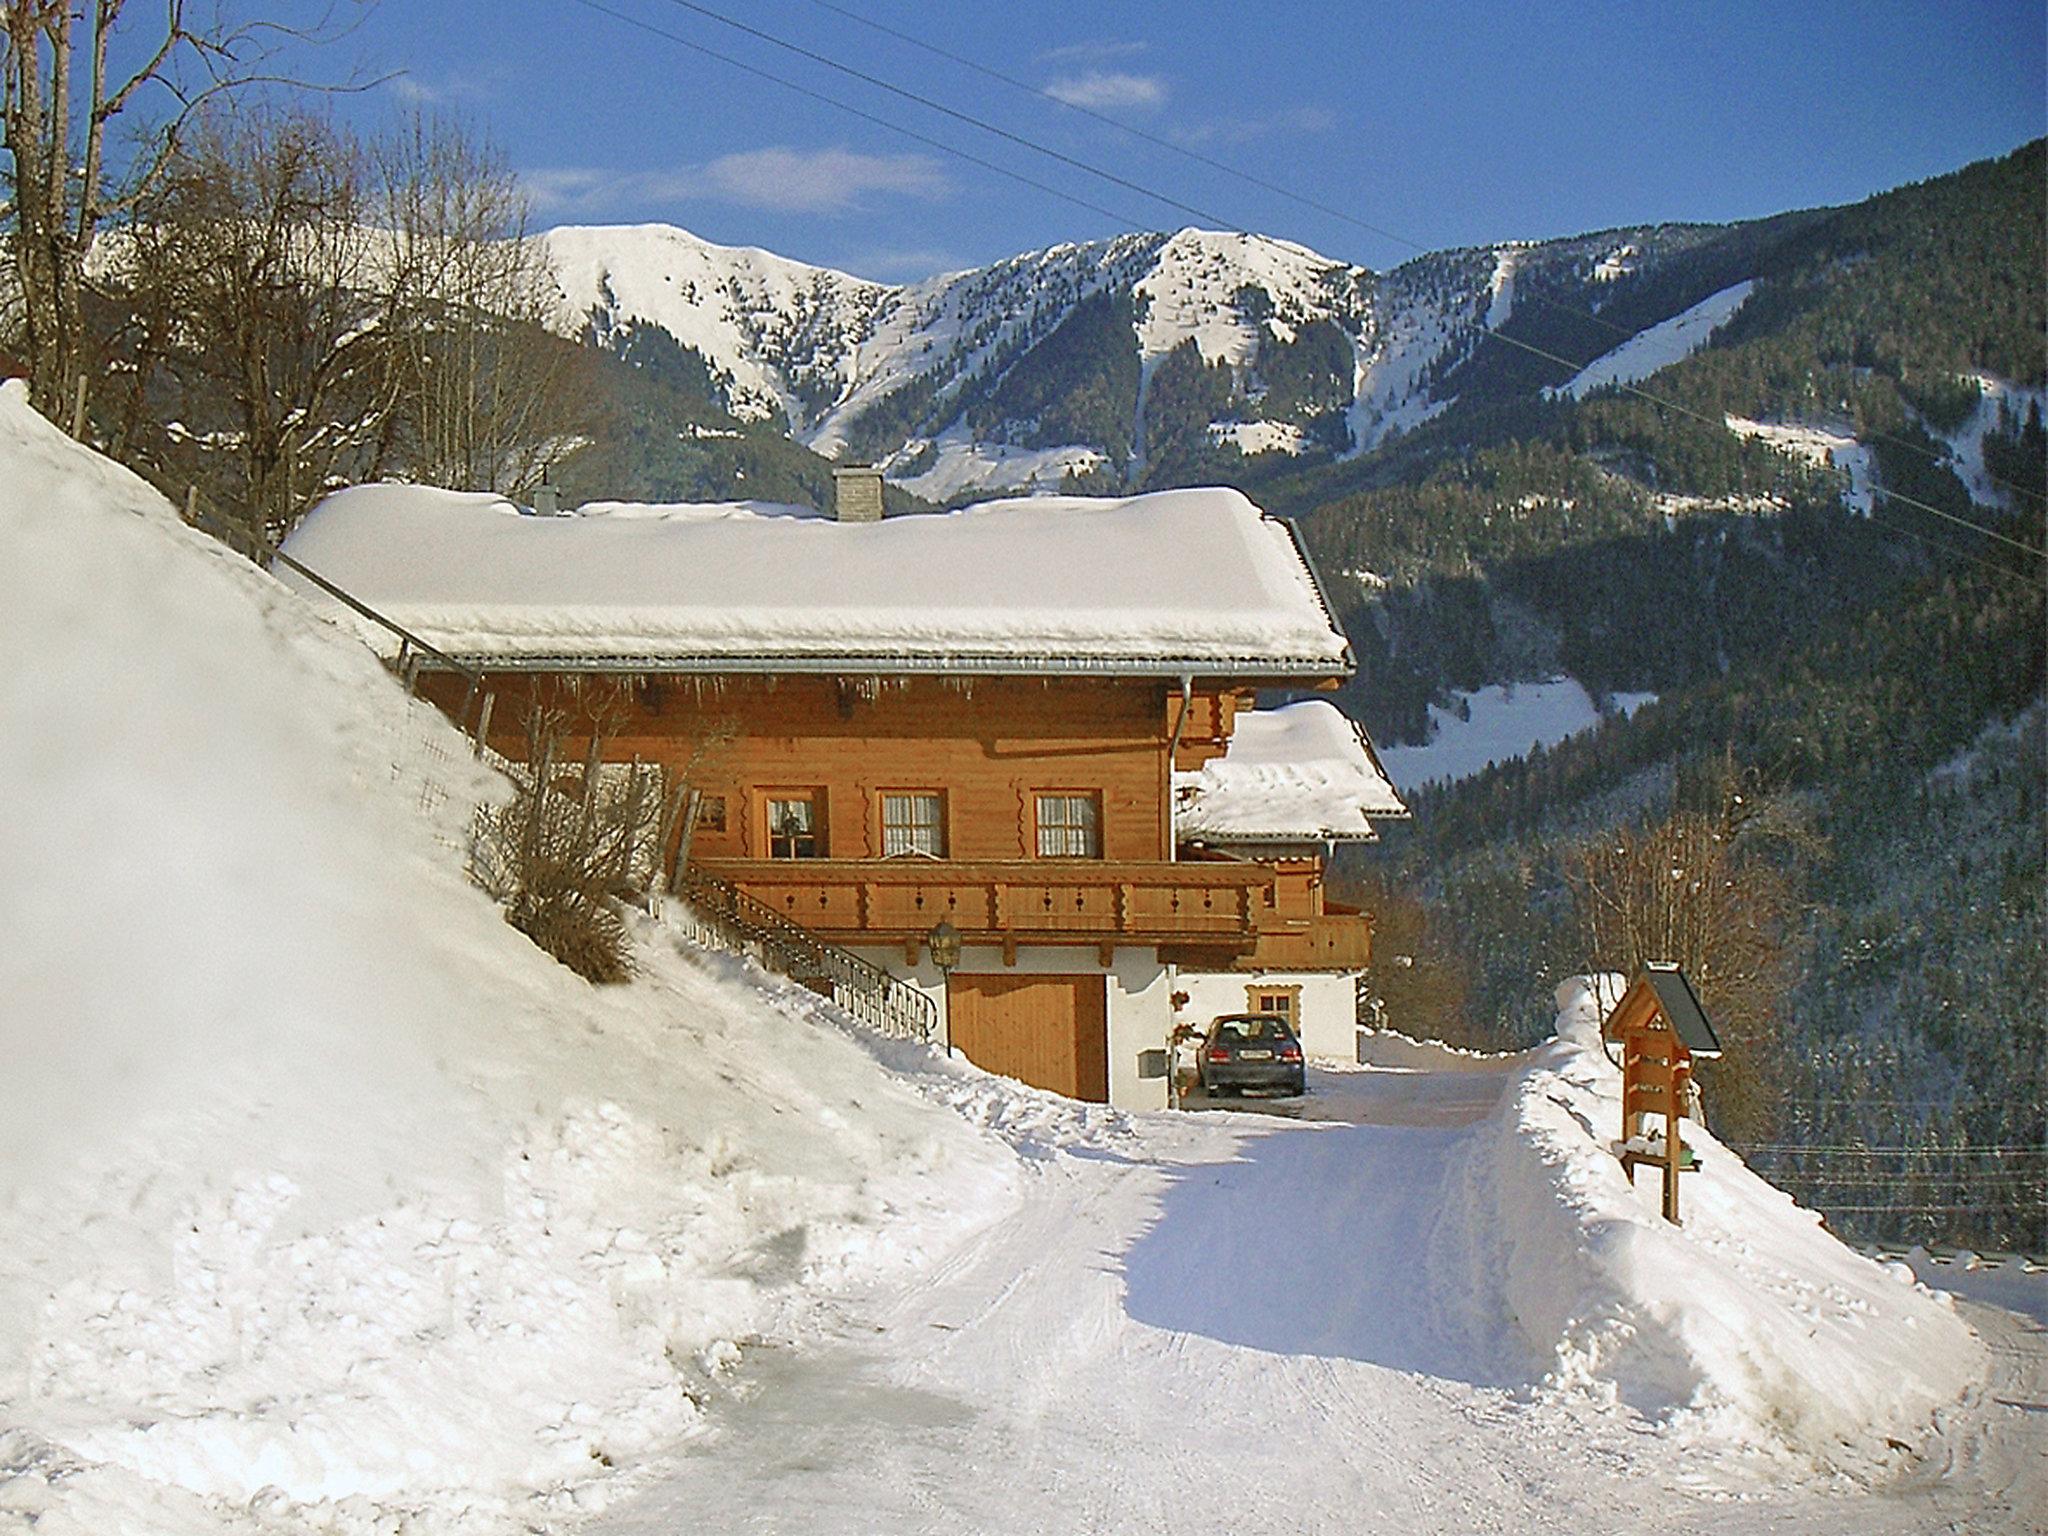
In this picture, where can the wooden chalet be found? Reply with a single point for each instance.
(1292, 784)
(988, 717)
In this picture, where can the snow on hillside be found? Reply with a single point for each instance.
(776, 328)
(1824, 448)
(1424, 312)
(325, 1198)
(1250, 437)
(1498, 724)
(1660, 346)
(1190, 293)
(1997, 399)
(961, 466)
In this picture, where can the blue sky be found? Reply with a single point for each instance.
(1443, 124)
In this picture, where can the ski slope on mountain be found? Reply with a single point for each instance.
(1661, 345)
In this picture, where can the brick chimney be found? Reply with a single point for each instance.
(857, 493)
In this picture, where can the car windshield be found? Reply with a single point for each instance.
(1253, 1027)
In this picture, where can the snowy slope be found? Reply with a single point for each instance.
(1497, 724)
(1661, 345)
(324, 1197)
(2000, 406)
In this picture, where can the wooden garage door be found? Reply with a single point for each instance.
(1049, 1031)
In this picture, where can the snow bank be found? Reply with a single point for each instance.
(1660, 346)
(325, 1198)
(1166, 578)
(1300, 773)
(1749, 1321)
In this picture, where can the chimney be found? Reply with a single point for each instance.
(547, 500)
(857, 493)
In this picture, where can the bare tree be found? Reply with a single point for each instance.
(273, 302)
(1714, 891)
(487, 388)
(312, 310)
(58, 102)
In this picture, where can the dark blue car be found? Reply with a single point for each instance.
(1251, 1050)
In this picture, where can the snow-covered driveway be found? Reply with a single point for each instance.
(1222, 1322)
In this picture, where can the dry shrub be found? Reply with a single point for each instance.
(576, 843)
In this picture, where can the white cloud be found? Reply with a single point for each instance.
(778, 178)
(821, 181)
(1098, 89)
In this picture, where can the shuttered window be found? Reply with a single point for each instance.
(1069, 826)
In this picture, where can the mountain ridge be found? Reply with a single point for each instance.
(1325, 358)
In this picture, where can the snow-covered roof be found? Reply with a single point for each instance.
(1300, 773)
(1162, 584)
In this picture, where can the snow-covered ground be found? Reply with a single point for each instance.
(1250, 437)
(1498, 724)
(327, 1204)
(1660, 346)
(1446, 1312)
(1823, 447)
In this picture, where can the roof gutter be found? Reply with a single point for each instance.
(1246, 667)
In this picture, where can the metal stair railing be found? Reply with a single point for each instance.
(726, 918)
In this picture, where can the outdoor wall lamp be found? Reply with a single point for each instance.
(944, 943)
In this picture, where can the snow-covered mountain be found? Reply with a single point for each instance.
(1043, 364)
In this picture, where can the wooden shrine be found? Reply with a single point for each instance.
(1661, 1029)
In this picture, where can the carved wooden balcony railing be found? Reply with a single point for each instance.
(1215, 907)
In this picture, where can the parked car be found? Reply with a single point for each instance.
(1251, 1050)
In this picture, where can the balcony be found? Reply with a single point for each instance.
(1213, 910)
(1329, 943)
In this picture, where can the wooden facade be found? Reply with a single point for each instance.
(1040, 814)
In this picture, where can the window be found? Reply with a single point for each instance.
(711, 813)
(796, 830)
(914, 822)
(1278, 1002)
(1069, 826)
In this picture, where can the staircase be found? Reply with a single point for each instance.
(721, 917)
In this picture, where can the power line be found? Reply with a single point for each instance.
(1071, 161)
(1158, 140)
(1277, 189)
(2010, 1149)
(953, 112)
(866, 116)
